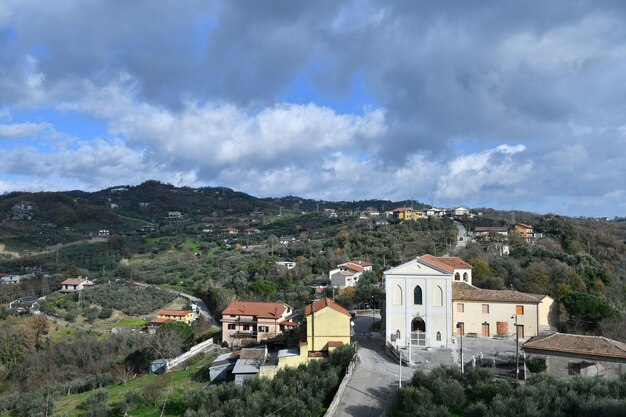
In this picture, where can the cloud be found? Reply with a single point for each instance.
(21, 130)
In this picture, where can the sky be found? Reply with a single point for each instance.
(511, 105)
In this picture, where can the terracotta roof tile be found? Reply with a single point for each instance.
(177, 313)
(261, 310)
(323, 303)
(462, 291)
(160, 320)
(446, 263)
(578, 344)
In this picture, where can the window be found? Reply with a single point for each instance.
(465, 276)
(519, 310)
(231, 326)
(264, 329)
(246, 327)
(417, 295)
(460, 308)
(438, 336)
(575, 368)
(485, 308)
(457, 277)
(438, 296)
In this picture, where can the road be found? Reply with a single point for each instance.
(461, 234)
(202, 307)
(372, 388)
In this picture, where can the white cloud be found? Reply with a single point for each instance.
(22, 130)
(474, 176)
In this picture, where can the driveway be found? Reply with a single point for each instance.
(372, 388)
(462, 234)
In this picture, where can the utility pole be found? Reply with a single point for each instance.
(516, 348)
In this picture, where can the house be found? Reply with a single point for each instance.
(251, 231)
(406, 213)
(104, 233)
(330, 212)
(327, 325)
(428, 297)
(75, 284)
(157, 322)
(222, 366)
(8, 279)
(348, 274)
(174, 215)
(286, 264)
(486, 231)
(490, 313)
(434, 212)
(245, 322)
(567, 355)
(230, 231)
(186, 316)
(287, 240)
(249, 363)
(460, 211)
(525, 231)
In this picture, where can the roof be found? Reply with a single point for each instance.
(334, 344)
(399, 209)
(261, 310)
(578, 344)
(289, 323)
(323, 303)
(247, 366)
(160, 320)
(479, 229)
(353, 266)
(179, 313)
(523, 225)
(447, 263)
(74, 281)
(462, 291)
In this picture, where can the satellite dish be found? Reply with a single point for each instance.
(352, 323)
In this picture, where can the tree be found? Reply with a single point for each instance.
(264, 288)
(588, 307)
(272, 243)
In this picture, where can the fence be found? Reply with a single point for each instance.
(171, 363)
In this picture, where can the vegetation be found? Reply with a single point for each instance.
(448, 392)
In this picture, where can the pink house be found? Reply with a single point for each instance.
(245, 322)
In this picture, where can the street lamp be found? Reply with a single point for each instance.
(372, 313)
(459, 326)
(400, 356)
(514, 316)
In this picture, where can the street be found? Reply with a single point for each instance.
(372, 388)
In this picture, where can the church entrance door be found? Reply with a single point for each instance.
(418, 332)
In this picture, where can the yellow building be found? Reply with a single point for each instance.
(176, 315)
(407, 213)
(327, 326)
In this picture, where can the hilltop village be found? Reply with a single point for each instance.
(153, 297)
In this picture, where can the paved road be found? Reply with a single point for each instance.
(461, 234)
(372, 388)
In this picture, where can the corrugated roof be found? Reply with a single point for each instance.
(578, 344)
(323, 303)
(462, 291)
(447, 263)
(261, 310)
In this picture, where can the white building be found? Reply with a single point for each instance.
(348, 274)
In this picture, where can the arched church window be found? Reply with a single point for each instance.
(438, 336)
(465, 276)
(417, 295)
(457, 277)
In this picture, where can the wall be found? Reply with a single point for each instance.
(473, 317)
(548, 314)
(560, 365)
(433, 310)
(191, 352)
(329, 326)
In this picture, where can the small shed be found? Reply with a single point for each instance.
(222, 366)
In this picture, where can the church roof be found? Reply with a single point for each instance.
(448, 263)
(462, 291)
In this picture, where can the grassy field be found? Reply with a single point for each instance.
(179, 381)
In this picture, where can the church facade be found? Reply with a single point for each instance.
(418, 304)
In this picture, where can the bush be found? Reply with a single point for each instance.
(536, 365)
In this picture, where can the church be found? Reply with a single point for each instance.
(430, 300)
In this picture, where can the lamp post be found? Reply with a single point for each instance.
(372, 313)
(459, 326)
(400, 356)
(514, 316)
